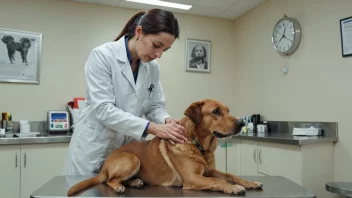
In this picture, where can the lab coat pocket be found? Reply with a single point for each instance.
(94, 143)
(147, 105)
(90, 125)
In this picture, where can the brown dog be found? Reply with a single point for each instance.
(191, 165)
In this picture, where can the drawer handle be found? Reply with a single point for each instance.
(254, 155)
(16, 160)
(260, 156)
(25, 160)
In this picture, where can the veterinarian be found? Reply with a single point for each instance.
(123, 84)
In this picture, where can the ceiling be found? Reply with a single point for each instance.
(228, 9)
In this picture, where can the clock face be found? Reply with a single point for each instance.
(283, 36)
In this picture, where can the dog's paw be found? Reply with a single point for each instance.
(241, 189)
(236, 190)
(253, 185)
(138, 183)
(120, 189)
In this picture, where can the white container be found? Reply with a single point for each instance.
(25, 128)
(262, 128)
(2, 132)
(250, 127)
(24, 122)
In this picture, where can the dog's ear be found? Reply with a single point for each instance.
(194, 112)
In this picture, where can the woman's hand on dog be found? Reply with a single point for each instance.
(171, 120)
(171, 130)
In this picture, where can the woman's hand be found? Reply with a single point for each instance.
(171, 120)
(171, 130)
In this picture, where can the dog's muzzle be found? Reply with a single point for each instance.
(220, 135)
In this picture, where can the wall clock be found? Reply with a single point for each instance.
(286, 35)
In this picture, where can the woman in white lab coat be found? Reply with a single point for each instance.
(123, 86)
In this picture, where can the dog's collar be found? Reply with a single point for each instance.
(196, 143)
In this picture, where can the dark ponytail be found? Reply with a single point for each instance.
(131, 25)
(153, 22)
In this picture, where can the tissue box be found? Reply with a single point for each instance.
(307, 131)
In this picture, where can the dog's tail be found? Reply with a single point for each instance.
(102, 177)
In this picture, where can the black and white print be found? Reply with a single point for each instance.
(198, 55)
(20, 55)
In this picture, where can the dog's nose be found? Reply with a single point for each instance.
(240, 123)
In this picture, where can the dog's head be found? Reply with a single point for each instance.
(199, 52)
(26, 42)
(7, 39)
(214, 117)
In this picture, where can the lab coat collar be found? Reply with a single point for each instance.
(121, 56)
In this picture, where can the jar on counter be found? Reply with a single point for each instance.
(9, 127)
(4, 120)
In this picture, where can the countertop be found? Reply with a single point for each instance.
(279, 132)
(43, 138)
(283, 138)
(274, 186)
(341, 188)
(265, 137)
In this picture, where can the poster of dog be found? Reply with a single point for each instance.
(198, 55)
(20, 56)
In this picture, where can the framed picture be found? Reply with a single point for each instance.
(198, 55)
(20, 56)
(346, 36)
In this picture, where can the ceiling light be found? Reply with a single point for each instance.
(163, 3)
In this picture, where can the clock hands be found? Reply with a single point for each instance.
(288, 39)
(283, 35)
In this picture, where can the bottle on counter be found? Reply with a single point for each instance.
(9, 128)
(4, 120)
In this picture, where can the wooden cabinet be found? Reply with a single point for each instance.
(308, 165)
(280, 159)
(39, 164)
(220, 156)
(10, 171)
(233, 157)
(25, 168)
(227, 156)
(248, 158)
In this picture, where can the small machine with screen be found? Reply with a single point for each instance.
(58, 121)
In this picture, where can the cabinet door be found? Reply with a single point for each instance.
(40, 163)
(233, 157)
(10, 171)
(248, 158)
(280, 160)
(220, 156)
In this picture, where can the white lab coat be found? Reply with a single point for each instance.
(115, 107)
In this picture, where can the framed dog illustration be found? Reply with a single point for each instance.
(198, 55)
(20, 56)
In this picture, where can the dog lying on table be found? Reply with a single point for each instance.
(190, 165)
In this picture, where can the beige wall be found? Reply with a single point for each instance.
(318, 85)
(71, 29)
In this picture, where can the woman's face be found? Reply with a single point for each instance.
(152, 46)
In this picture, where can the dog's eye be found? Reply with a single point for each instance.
(217, 112)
